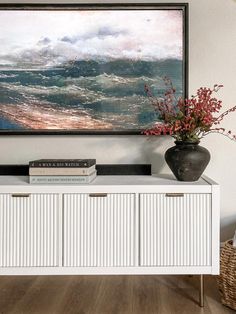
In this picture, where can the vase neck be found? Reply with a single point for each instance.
(187, 143)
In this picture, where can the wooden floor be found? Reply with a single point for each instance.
(107, 295)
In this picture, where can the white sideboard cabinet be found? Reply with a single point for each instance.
(115, 225)
(29, 229)
(99, 230)
(175, 229)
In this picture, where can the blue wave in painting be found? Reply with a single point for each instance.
(84, 94)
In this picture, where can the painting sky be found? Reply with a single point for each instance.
(46, 39)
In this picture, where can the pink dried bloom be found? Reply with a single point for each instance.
(188, 119)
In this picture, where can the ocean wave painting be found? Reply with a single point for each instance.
(86, 70)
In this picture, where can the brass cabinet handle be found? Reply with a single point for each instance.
(20, 195)
(98, 195)
(174, 194)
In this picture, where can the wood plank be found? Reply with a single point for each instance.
(114, 296)
(108, 295)
(144, 300)
(43, 296)
(13, 289)
(80, 295)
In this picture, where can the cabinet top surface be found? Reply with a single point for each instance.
(154, 180)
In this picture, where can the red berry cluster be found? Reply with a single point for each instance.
(188, 119)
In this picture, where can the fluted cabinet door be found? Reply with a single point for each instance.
(175, 230)
(29, 230)
(99, 230)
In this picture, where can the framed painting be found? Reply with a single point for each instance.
(81, 69)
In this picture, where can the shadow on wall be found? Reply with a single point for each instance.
(228, 227)
(133, 150)
(153, 151)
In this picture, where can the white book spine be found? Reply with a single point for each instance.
(62, 179)
(64, 171)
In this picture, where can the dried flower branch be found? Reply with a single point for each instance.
(188, 119)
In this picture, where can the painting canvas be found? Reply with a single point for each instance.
(84, 69)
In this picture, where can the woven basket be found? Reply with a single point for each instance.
(227, 278)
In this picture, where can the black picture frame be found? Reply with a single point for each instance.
(108, 6)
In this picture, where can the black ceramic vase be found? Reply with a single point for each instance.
(187, 160)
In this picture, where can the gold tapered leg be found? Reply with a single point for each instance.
(201, 291)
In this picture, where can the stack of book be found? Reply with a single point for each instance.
(58, 171)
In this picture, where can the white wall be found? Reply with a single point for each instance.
(212, 60)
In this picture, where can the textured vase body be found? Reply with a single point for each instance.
(187, 160)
